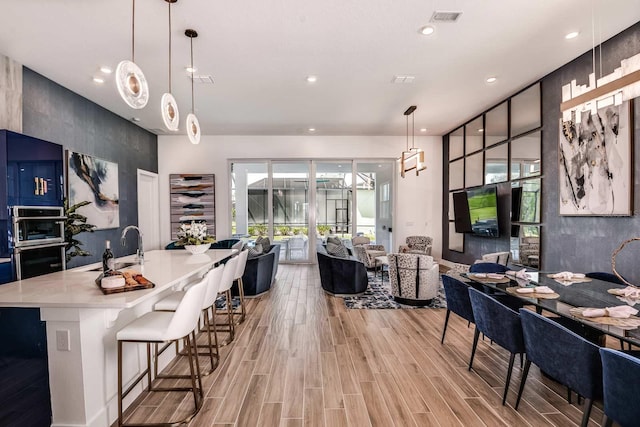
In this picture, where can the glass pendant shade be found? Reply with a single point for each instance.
(170, 113)
(193, 128)
(132, 85)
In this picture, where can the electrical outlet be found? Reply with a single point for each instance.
(63, 340)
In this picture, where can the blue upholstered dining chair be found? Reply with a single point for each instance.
(621, 386)
(604, 276)
(457, 296)
(500, 324)
(487, 267)
(563, 355)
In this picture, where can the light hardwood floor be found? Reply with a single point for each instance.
(301, 358)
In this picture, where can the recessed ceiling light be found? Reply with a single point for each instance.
(135, 119)
(481, 130)
(98, 80)
(491, 79)
(191, 69)
(106, 70)
(423, 130)
(427, 30)
(571, 35)
(312, 79)
(312, 129)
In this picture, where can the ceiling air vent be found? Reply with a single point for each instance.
(403, 79)
(445, 16)
(203, 79)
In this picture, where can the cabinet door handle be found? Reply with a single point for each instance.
(37, 186)
(43, 186)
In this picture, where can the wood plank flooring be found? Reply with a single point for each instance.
(302, 359)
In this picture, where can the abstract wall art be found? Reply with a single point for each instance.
(95, 180)
(193, 198)
(596, 162)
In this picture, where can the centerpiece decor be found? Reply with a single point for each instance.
(194, 237)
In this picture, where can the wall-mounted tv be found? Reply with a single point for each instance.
(483, 211)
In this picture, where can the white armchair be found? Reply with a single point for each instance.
(415, 278)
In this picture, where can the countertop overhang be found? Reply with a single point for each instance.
(76, 287)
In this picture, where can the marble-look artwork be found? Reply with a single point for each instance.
(95, 180)
(595, 163)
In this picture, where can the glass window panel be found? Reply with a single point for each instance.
(456, 175)
(525, 111)
(496, 161)
(290, 183)
(456, 144)
(333, 197)
(374, 181)
(451, 215)
(496, 129)
(249, 204)
(456, 240)
(525, 156)
(474, 170)
(474, 133)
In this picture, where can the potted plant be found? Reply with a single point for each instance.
(75, 224)
(194, 237)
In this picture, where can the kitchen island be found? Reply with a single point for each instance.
(81, 325)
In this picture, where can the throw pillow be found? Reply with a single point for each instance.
(334, 240)
(339, 251)
(255, 251)
(265, 242)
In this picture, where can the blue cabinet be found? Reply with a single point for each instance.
(34, 183)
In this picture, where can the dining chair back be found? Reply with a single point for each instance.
(621, 387)
(456, 294)
(604, 276)
(563, 355)
(487, 267)
(498, 323)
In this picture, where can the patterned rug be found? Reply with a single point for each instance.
(378, 296)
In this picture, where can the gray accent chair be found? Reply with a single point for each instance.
(415, 278)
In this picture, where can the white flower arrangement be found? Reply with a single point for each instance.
(194, 234)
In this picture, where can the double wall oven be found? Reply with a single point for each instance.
(37, 239)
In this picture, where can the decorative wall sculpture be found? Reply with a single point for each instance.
(192, 199)
(95, 180)
(595, 162)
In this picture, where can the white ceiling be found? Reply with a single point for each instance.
(260, 52)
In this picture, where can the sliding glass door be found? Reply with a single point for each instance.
(298, 203)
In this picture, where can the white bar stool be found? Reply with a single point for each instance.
(170, 303)
(242, 263)
(225, 288)
(162, 327)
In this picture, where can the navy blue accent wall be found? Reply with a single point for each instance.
(54, 113)
(569, 243)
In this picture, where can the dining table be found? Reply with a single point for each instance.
(569, 298)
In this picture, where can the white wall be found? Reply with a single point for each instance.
(418, 207)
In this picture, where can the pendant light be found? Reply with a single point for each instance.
(412, 158)
(193, 126)
(130, 80)
(168, 104)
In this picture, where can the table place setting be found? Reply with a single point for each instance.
(629, 295)
(541, 292)
(622, 315)
(567, 278)
(488, 277)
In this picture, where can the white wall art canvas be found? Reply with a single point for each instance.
(94, 180)
(595, 163)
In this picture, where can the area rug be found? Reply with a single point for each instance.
(378, 296)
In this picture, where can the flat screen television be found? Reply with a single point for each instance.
(483, 211)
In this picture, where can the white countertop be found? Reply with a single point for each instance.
(77, 288)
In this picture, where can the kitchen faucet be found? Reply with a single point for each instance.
(140, 251)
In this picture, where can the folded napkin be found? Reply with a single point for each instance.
(620, 312)
(536, 289)
(567, 275)
(495, 276)
(628, 292)
(521, 274)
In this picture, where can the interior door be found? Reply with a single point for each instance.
(149, 209)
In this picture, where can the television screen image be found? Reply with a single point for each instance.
(483, 211)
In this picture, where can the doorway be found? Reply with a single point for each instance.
(149, 209)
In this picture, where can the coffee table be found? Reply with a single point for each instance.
(381, 261)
